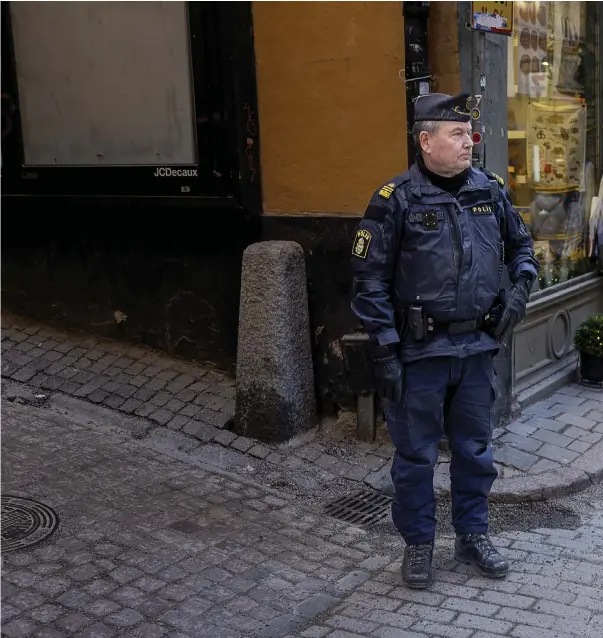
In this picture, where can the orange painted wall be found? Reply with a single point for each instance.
(332, 107)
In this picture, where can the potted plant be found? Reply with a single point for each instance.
(588, 340)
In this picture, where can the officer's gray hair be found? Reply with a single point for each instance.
(419, 127)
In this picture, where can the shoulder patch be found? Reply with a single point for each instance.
(361, 244)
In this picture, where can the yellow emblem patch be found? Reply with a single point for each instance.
(499, 179)
(387, 190)
(361, 244)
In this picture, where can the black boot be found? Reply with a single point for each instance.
(416, 566)
(478, 550)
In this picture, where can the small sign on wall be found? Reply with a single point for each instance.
(496, 17)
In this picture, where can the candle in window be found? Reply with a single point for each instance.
(536, 163)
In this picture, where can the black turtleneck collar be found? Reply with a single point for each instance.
(451, 185)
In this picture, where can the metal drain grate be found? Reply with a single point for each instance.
(364, 508)
(25, 522)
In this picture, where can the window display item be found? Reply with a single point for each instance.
(558, 128)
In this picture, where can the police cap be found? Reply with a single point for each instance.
(439, 107)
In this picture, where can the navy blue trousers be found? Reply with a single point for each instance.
(452, 396)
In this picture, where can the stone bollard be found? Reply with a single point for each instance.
(275, 378)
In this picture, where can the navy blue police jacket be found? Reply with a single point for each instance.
(419, 245)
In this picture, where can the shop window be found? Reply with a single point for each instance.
(554, 170)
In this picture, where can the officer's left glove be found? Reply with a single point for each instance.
(514, 304)
(387, 371)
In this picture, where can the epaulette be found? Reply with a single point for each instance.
(492, 175)
(387, 190)
(496, 183)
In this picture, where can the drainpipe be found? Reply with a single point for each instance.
(417, 76)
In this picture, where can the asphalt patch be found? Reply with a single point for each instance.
(535, 515)
(506, 517)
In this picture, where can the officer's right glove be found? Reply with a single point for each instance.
(387, 371)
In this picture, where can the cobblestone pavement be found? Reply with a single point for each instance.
(151, 545)
(553, 432)
(558, 440)
(135, 381)
(154, 543)
(555, 590)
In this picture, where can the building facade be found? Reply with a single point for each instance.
(146, 147)
(554, 94)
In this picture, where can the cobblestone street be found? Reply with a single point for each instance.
(552, 448)
(172, 525)
(150, 545)
(154, 542)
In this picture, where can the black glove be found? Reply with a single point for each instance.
(387, 371)
(512, 307)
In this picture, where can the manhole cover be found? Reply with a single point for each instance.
(364, 508)
(25, 522)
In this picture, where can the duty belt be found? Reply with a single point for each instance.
(453, 327)
(421, 326)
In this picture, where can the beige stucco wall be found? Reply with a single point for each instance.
(331, 103)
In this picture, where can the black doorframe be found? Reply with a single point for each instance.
(227, 173)
(416, 72)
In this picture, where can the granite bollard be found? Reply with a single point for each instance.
(275, 378)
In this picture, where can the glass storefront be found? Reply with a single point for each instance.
(553, 91)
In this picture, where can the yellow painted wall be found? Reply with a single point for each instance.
(332, 107)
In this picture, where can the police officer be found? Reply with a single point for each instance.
(427, 263)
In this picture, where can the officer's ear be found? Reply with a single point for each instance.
(425, 142)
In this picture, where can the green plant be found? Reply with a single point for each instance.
(589, 336)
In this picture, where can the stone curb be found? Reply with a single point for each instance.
(585, 471)
(167, 447)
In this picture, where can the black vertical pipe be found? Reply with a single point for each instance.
(416, 15)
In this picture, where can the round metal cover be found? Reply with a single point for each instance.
(25, 522)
